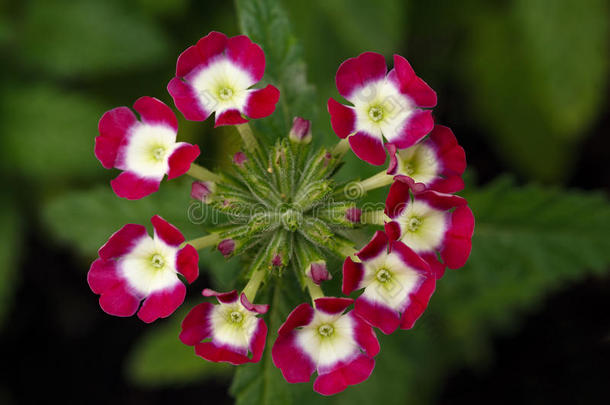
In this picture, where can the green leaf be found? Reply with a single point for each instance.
(49, 134)
(266, 23)
(10, 250)
(532, 100)
(89, 37)
(159, 359)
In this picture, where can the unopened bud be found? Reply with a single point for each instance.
(202, 190)
(353, 215)
(318, 272)
(226, 247)
(239, 158)
(300, 131)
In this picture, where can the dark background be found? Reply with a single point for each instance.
(66, 62)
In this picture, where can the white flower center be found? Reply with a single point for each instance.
(225, 93)
(159, 153)
(383, 276)
(376, 113)
(408, 168)
(326, 330)
(157, 261)
(413, 224)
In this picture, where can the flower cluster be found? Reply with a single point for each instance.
(285, 215)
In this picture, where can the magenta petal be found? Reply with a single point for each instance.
(248, 55)
(393, 166)
(211, 46)
(409, 257)
(392, 229)
(418, 302)
(333, 305)
(449, 185)
(441, 201)
(154, 111)
(229, 117)
(122, 241)
(450, 153)
(196, 326)
(458, 243)
(181, 159)
(398, 199)
(300, 316)
(187, 263)
(103, 276)
(188, 61)
(166, 231)
(368, 148)
(342, 118)
(365, 335)
(257, 346)
(119, 301)
(378, 315)
(355, 73)
(214, 352)
(413, 86)
(377, 246)
(161, 304)
(436, 267)
(296, 366)
(133, 187)
(415, 128)
(258, 308)
(261, 103)
(350, 374)
(113, 127)
(186, 100)
(352, 275)
(225, 298)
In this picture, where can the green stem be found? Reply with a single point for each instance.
(247, 136)
(253, 284)
(373, 217)
(314, 290)
(203, 242)
(345, 250)
(341, 147)
(201, 173)
(378, 180)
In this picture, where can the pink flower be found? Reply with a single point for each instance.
(133, 267)
(216, 74)
(429, 223)
(384, 106)
(229, 332)
(436, 163)
(145, 150)
(339, 345)
(397, 284)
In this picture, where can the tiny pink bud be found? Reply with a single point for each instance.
(226, 247)
(353, 214)
(277, 260)
(239, 158)
(300, 131)
(201, 190)
(318, 272)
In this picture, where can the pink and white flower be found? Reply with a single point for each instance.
(228, 332)
(397, 283)
(436, 163)
(384, 106)
(146, 150)
(430, 222)
(339, 345)
(133, 267)
(216, 74)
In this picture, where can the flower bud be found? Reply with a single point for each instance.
(226, 247)
(202, 190)
(318, 272)
(300, 131)
(239, 158)
(353, 215)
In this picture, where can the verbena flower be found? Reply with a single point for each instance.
(229, 331)
(430, 222)
(384, 105)
(337, 344)
(280, 210)
(216, 74)
(146, 150)
(133, 267)
(397, 283)
(437, 163)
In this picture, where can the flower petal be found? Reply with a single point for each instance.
(352, 275)
(113, 128)
(258, 308)
(196, 326)
(207, 49)
(166, 231)
(218, 353)
(153, 111)
(356, 72)
(450, 153)
(300, 316)
(398, 199)
(458, 240)
(225, 298)
(181, 159)
(413, 86)
(377, 314)
(122, 241)
(119, 301)
(257, 345)
(342, 118)
(229, 117)
(376, 247)
(247, 55)
(187, 263)
(187, 101)
(133, 187)
(365, 335)
(414, 129)
(261, 102)
(368, 148)
(332, 305)
(295, 364)
(103, 276)
(161, 304)
(352, 373)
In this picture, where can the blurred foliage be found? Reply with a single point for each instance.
(528, 75)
